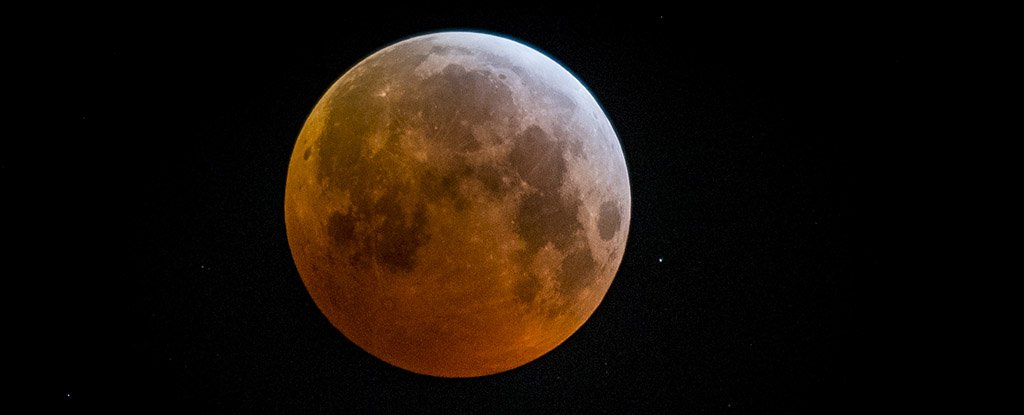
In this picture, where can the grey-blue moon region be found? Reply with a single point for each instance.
(457, 204)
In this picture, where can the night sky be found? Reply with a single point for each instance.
(743, 286)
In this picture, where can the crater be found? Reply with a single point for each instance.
(396, 240)
(455, 100)
(492, 179)
(305, 154)
(450, 50)
(547, 217)
(538, 159)
(527, 288)
(341, 141)
(446, 185)
(578, 271)
(609, 220)
(341, 228)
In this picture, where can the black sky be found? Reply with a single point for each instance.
(754, 162)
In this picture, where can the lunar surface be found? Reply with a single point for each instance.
(457, 204)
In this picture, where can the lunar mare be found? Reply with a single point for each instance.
(457, 204)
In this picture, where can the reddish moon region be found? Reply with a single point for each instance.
(457, 204)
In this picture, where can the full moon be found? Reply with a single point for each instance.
(457, 204)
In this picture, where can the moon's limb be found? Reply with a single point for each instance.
(457, 204)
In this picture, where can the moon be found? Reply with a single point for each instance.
(457, 204)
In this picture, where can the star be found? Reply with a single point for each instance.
(661, 259)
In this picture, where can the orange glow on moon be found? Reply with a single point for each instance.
(457, 204)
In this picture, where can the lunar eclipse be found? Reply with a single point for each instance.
(457, 204)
